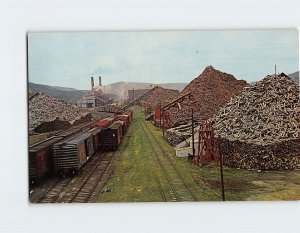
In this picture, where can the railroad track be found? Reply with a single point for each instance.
(53, 193)
(87, 192)
(78, 188)
(87, 189)
(202, 180)
(179, 190)
(172, 164)
(163, 195)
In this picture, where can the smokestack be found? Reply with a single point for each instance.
(92, 82)
(100, 83)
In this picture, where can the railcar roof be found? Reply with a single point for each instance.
(76, 138)
(45, 143)
(115, 125)
(95, 131)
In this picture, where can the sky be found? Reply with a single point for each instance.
(70, 59)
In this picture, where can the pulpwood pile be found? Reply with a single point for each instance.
(49, 114)
(209, 92)
(179, 134)
(260, 127)
(157, 95)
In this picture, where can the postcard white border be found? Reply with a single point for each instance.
(19, 17)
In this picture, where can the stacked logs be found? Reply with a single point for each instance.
(265, 113)
(48, 114)
(209, 92)
(260, 127)
(156, 96)
(284, 155)
(178, 134)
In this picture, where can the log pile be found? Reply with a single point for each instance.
(178, 134)
(48, 114)
(284, 155)
(157, 95)
(260, 127)
(266, 113)
(209, 92)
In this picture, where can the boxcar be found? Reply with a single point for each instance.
(124, 118)
(96, 137)
(129, 113)
(111, 137)
(72, 153)
(41, 159)
(124, 128)
(104, 123)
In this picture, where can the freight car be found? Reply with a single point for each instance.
(70, 150)
(109, 108)
(96, 137)
(124, 118)
(111, 137)
(72, 153)
(104, 123)
(124, 128)
(129, 113)
(41, 160)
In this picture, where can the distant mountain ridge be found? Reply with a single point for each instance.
(115, 90)
(295, 76)
(66, 94)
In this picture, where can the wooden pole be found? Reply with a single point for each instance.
(160, 114)
(222, 177)
(193, 138)
(163, 126)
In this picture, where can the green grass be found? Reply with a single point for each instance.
(136, 172)
(134, 176)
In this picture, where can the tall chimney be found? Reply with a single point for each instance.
(92, 82)
(100, 83)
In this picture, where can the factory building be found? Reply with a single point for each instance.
(96, 98)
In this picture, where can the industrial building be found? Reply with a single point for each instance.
(96, 98)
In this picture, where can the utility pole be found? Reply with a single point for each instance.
(163, 126)
(221, 170)
(275, 70)
(133, 94)
(193, 138)
(160, 114)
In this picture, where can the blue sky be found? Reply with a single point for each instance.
(70, 59)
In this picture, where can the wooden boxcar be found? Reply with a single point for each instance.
(96, 137)
(72, 153)
(129, 113)
(124, 118)
(104, 123)
(111, 137)
(124, 128)
(41, 159)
